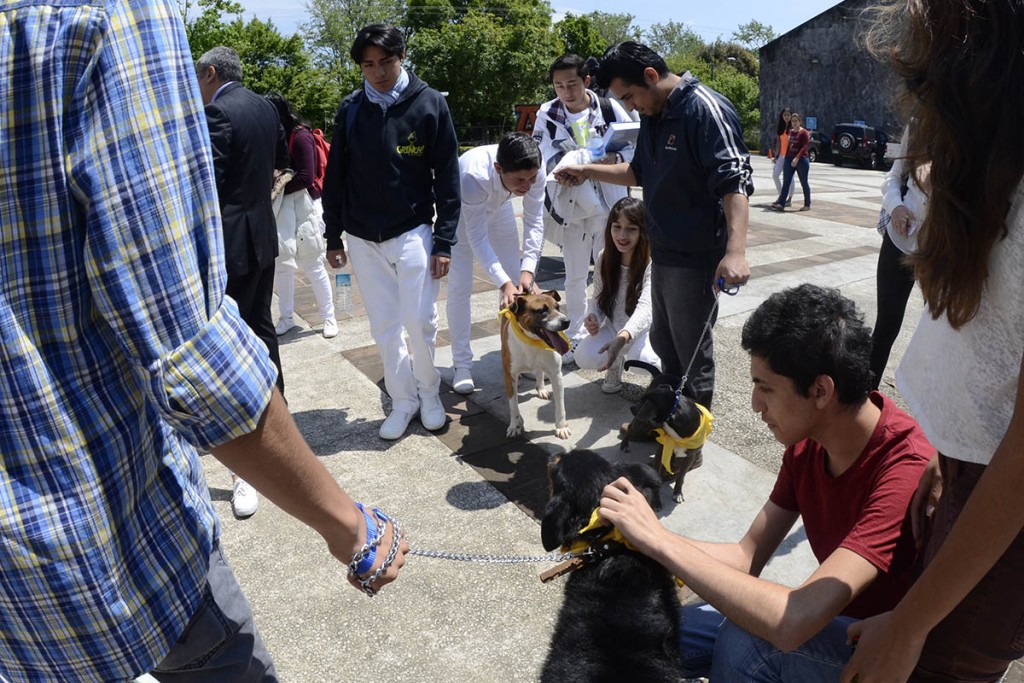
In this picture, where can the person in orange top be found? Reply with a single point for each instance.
(782, 134)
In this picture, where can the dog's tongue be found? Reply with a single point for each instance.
(556, 341)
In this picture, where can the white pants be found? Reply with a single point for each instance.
(582, 240)
(400, 296)
(503, 234)
(587, 355)
(284, 283)
(780, 163)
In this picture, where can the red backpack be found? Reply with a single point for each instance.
(323, 149)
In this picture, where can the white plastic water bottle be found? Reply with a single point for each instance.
(342, 292)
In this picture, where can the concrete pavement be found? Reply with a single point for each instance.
(468, 489)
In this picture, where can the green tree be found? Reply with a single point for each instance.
(754, 34)
(333, 25)
(487, 59)
(614, 28)
(270, 61)
(673, 38)
(580, 36)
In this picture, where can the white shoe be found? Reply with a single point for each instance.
(330, 328)
(284, 326)
(395, 424)
(432, 414)
(463, 382)
(569, 357)
(613, 377)
(244, 500)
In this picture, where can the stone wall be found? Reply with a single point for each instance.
(821, 69)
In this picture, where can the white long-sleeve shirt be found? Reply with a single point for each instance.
(635, 324)
(483, 194)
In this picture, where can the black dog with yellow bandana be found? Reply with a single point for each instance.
(620, 617)
(674, 420)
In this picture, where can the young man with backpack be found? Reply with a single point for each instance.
(582, 237)
(393, 166)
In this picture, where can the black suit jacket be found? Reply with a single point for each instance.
(248, 144)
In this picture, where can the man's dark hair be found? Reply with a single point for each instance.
(224, 60)
(387, 38)
(627, 60)
(569, 61)
(518, 152)
(806, 331)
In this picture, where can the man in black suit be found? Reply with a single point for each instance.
(248, 145)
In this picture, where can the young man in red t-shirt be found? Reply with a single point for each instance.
(851, 467)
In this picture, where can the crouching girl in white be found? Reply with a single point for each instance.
(619, 312)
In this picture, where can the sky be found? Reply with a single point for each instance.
(710, 19)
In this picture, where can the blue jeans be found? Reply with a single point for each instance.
(713, 646)
(802, 167)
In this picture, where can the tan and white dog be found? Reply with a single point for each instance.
(532, 340)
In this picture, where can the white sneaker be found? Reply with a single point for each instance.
(244, 500)
(284, 326)
(613, 377)
(432, 414)
(463, 382)
(330, 328)
(569, 357)
(395, 424)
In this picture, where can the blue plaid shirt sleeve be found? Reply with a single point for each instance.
(139, 165)
(117, 343)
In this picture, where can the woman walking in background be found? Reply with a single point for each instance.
(781, 147)
(796, 162)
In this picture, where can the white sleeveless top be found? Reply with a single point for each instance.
(961, 385)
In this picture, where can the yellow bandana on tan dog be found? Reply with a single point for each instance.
(695, 440)
(525, 338)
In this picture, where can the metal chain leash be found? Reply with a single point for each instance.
(496, 559)
(731, 290)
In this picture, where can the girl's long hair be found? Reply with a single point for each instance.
(289, 119)
(632, 211)
(962, 67)
(781, 125)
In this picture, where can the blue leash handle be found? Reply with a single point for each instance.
(731, 290)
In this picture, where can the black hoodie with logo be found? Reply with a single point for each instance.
(388, 171)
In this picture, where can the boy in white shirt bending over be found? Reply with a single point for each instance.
(490, 176)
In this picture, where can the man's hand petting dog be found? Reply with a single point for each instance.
(626, 508)
(508, 294)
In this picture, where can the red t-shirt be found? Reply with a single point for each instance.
(867, 508)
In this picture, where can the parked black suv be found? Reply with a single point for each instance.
(860, 143)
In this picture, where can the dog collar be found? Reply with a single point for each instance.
(525, 338)
(695, 440)
(613, 535)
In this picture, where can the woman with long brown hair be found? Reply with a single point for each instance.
(962, 64)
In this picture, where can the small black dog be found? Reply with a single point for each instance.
(660, 407)
(620, 617)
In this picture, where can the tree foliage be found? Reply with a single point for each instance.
(580, 36)
(614, 28)
(754, 34)
(673, 38)
(488, 59)
(270, 61)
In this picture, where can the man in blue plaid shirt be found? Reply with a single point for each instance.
(119, 356)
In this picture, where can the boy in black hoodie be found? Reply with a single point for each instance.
(393, 164)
